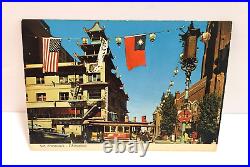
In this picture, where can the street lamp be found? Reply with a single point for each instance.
(188, 61)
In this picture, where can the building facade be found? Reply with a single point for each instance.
(102, 85)
(214, 64)
(68, 99)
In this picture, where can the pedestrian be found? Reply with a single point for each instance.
(186, 137)
(144, 137)
(72, 138)
(194, 137)
(101, 137)
(63, 130)
(85, 137)
(98, 136)
(173, 138)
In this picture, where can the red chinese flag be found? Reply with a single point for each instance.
(135, 51)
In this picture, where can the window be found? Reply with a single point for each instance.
(64, 96)
(41, 96)
(114, 117)
(27, 97)
(94, 77)
(112, 128)
(120, 129)
(126, 129)
(95, 94)
(107, 129)
(81, 78)
(63, 79)
(40, 80)
(79, 97)
(90, 78)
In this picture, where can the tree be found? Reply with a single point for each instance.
(208, 124)
(168, 114)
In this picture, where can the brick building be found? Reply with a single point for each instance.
(214, 63)
(214, 70)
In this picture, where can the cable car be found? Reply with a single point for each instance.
(116, 131)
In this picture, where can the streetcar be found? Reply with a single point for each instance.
(116, 132)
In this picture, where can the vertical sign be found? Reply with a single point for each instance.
(107, 101)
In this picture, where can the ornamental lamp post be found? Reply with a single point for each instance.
(188, 62)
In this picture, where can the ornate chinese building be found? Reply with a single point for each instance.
(75, 95)
(102, 86)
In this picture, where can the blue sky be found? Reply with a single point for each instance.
(144, 85)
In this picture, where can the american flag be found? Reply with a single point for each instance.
(51, 48)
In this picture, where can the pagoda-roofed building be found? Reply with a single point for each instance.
(95, 33)
(101, 87)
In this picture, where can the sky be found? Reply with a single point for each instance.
(144, 85)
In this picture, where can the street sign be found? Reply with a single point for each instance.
(184, 116)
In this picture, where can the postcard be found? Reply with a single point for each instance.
(99, 84)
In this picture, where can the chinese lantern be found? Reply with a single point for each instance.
(176, 71)
(84, 41)
(168, 92)
(181, 56)
(152, 37)
(118, 40)
(171, 83)
(205, 37)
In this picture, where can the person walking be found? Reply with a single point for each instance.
(101, 137)
(63, 130)
(186, 137)
(85, 138)
(72, 138)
